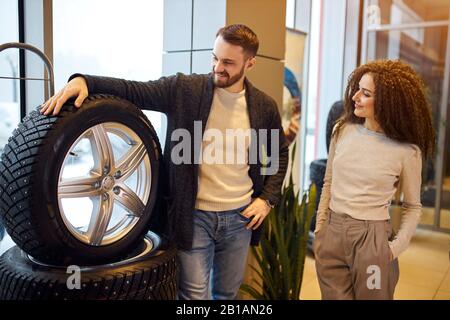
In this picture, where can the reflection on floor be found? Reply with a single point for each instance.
(424, 270)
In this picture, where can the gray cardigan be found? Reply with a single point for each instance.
(185, 99)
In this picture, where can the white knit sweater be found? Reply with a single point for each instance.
(226, 185)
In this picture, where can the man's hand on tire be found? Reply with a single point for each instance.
(76, 88)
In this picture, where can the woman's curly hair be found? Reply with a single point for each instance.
(400, 103)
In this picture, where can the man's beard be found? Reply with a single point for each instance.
(227, 81)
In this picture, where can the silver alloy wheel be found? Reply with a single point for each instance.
(107, 171)
(151, 243)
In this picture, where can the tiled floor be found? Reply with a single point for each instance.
(424, 270)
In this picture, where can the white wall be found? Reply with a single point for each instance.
(333, 54)
(331, 67)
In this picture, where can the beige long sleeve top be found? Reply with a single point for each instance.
(363, 171)
(225, 185)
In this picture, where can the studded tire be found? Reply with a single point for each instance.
(144, 276)
(316, 174)
(29, 181)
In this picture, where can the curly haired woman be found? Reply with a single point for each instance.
(381, 139)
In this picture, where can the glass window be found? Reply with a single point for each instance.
(425, 50)
(407, 11)
(9, 67)
(290, 13)
(118, 39)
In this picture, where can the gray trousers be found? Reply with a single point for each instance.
(353, 259)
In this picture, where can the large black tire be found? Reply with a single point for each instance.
(29, 173)
(317, 170)
(152, 276)
(2, 231)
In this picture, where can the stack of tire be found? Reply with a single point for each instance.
(77, 194)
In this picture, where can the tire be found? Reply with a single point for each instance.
(46, 212)
(317, 170)
(151, 275)
(2, 232)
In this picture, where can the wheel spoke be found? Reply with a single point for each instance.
(78, 187)
(100, 220)
(104, 185)
(130, 200)
(102, 150)
(132, 160)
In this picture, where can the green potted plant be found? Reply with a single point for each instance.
(281, 254)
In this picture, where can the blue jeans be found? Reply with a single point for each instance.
(220, 246)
